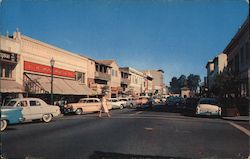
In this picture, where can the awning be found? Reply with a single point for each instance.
(10, 86)
(61, 86)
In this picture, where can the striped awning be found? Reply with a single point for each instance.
(61, 86)
(10, 86)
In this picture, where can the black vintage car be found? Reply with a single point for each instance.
(190, 105)
(174, 104)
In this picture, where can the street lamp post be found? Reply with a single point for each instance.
(52, 62)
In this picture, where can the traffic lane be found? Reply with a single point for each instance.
(84, 137)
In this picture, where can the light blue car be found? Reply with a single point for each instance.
(10, 115)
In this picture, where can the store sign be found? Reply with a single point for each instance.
(34, 67)
(11, 57)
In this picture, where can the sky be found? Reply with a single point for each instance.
(177, 36)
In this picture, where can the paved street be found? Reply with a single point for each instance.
(128, 133)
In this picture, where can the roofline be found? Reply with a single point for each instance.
(240, 31)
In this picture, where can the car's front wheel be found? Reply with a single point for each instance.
(121, 106)
(47, 118)
(3, 125)
(131, 105)
(78, 111)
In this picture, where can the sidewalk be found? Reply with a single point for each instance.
(237, 118)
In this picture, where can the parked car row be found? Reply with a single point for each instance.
(194, 106)
(27, 109)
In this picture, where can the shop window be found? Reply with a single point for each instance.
(6, 71)
(80, 76)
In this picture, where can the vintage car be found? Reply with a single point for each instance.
(85, 105)
(130, 102)
(35, 108)
(142, 100)
(10, 115)
(117, 103)
(208, 106)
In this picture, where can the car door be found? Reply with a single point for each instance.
(97, 105)
(25, 109)
(35, 109)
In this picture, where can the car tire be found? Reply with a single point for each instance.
(47, 118)
(121, 107)
(130, 105)
(78, 111)
(4, 124)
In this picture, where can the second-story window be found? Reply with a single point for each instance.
(80, 76)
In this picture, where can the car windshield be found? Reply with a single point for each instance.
(11, 103)
(209, 101)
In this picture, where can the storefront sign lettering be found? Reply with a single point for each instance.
(8, 56)
(34, 67)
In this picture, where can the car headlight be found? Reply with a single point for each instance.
(21, 119)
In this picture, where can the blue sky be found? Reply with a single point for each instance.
(178, 36)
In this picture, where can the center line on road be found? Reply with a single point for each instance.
(242, 129)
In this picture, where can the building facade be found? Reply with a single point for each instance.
(137, 81)
(158, 85)
(11, 85)
(239, 58)
(34, 70)
(215, 67)
(115, 77)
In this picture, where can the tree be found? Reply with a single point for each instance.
(174, 86)
(193, 82)
(226, 84)
(182, 81)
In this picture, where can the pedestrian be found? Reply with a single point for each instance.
(104, 106)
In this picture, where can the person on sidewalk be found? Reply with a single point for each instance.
(104, 106)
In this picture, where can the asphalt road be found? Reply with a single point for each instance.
(127, 134)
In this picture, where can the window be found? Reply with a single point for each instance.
(116, 73)
(35, 103)
(113, 72)
(6, 71)
(23, 103)
(80, 76)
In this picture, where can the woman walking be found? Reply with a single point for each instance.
(104, 106)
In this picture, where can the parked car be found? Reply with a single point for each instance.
(35, 108)
(130, 102)
(117, 104)
(190, 105)
(175, 104)
(10, 115)
(85, 105)
(142, 100)
(208, 106)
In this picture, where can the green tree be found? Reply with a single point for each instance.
(182, 81)
(193, 82)
(174, 86)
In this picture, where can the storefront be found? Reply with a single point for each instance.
(37, 81)
(9, 87)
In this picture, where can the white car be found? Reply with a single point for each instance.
(35, 108)
(117, 104)
(208, 106)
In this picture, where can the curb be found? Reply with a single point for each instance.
(232, 119)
